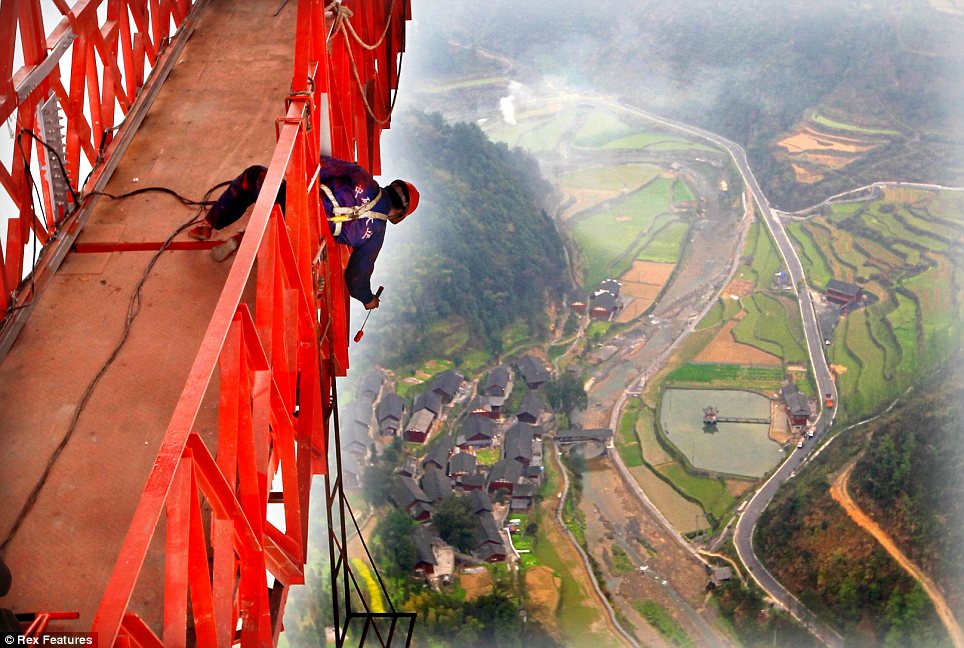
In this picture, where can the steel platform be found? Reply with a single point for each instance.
(213, 116)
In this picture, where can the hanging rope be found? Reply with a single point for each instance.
(342, 23)
(342, 16)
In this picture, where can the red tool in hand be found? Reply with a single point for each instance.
(361, 331)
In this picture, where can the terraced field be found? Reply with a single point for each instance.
(819, 146)
(905, 251)
(765, 317)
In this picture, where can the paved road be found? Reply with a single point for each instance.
(743, 534)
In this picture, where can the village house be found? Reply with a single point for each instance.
(479, 501)
(355, 440)
(361, 411)
(446, 385)
(425, 560)
(504, 474)
(475, 432)
(843, 293)
(604, 300)
(436, 485)
(473, 483)
(419, 426)
(488, 538)
(517, 444)
(534, 371)
(352, 470)
(603, 306)
(389, 414)
(496, 388)
(406, 495)
(428, 400)
(480, 406)
(797, 404)
(522, 496)
(461, 464)
(438, 454)
(497, 381)
(532, 408)
(609, 285)
(408, 468)
(371, 386)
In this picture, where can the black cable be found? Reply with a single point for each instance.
(80, 201)
(40, 204)
(101, 148)
(187, 201)
(60, 161)
(133, 310)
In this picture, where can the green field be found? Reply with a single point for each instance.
(681, 192)
(726, 373)
(771, 321)
(817, 269)
(650, 139)
(546, 136)
(613, 178)
(710, 493)
(601, 128)
(907, 256)
(653, 453)
(627, 443)
(639, 225)
(488, 456)
(766, 327)
(666, 244)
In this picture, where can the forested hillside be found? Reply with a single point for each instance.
(909, 478)
(479, 255)
(887, 72)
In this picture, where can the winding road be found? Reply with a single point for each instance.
(746, 525)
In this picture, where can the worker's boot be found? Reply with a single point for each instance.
(226, 249)
(200, 232)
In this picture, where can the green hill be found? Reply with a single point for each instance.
(909, 478)
(480, 259)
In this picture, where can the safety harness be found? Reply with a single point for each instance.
(341, 214)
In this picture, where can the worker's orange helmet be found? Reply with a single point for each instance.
(404, 196)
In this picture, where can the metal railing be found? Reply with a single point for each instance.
(273, 362)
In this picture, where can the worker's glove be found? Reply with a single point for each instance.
(372, 304)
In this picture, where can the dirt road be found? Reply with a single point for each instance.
(838, 490)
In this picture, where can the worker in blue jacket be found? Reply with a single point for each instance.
(355, 205)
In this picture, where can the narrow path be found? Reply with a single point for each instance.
(839, 492)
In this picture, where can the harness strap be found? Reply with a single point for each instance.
(341, 214)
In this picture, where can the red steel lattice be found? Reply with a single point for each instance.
(275, 369)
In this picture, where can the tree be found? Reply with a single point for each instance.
(395, 551)
(499, 615)
(566, 393)
(377, 483)
(455, 522)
